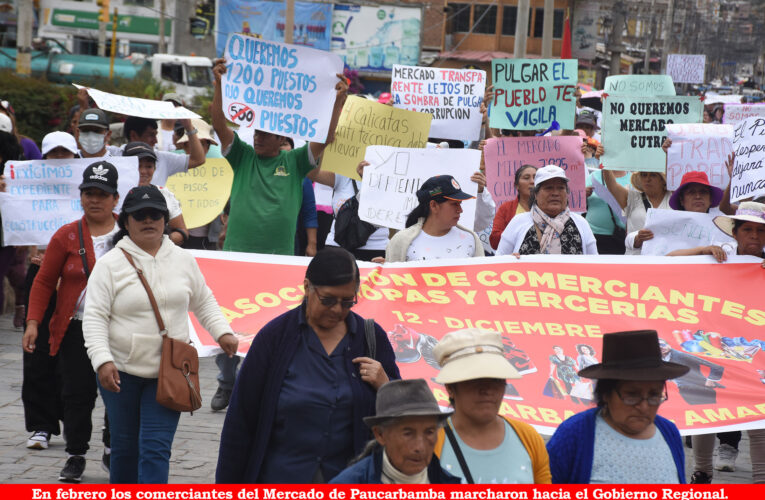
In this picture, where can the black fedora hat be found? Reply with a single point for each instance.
(405, 398)
(633, 355)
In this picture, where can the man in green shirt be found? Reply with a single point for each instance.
(267, 190)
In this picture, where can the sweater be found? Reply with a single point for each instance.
(515, 232)
(572, 447)
(532, 441)
(119, 323)
(505, 214)
(254, 400)
(368, 470)
(399, 244)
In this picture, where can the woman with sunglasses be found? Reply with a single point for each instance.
(309, 379)
(123, 339)
(622, 440)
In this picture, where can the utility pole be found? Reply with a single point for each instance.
(668, 29)
(24, 38)
(162, 44)
(649, 37)
(615, 44)
(521, 29)
(289, 21)
(547, 29)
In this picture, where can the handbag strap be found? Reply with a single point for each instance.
(458, 453)
(646, 203)
(355, 187)
(369, 333)
(145, 284)
(81, 251)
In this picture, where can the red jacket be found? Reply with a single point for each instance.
(504, 215)
(61, 260)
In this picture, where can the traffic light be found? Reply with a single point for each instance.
(103, 11)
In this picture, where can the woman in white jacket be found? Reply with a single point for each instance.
(123, 339)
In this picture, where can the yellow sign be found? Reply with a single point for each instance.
(368, 123)
(203, 191)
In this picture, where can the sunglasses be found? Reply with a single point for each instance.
(332, 301)
(141, 215)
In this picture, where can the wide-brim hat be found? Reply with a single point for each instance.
(633, 355)
(635, 179)
(204, 132)
(405, 398)
(695, 177)
(748, 211)
(471, 354)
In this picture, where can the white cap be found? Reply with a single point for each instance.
(58, 139)
(6, 125)
(549, 172)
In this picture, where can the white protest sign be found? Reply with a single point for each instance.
(748, 178)
(43, 195)
(713, 98)
(686, 68)
(135, 106)
(452, 96)
(605, 195)
(680, 230)
(391, 181)
(701, 147)
(279, 88)
(735, 113)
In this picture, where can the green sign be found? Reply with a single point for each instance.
(633, 129)
(125, 23)
(640, 85)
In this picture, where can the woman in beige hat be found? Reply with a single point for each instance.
(477, 444)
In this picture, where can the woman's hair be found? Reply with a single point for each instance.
(10, 149)
(122, 224)
(519, 173)
(604, 387)
(737, 224)
(422, 211)
(333, 266)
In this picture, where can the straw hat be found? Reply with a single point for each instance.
(748, 211)
(405, 398)
(472, 354)
(203, 129)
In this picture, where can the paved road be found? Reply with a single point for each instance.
(195, 449)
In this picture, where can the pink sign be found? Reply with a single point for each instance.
(737, 113)
(504, 156)
(700, 147)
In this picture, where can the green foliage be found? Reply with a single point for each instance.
(201, 104)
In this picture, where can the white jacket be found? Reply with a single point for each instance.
(515, 232)
(119, 324)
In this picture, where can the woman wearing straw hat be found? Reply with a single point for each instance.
(477, 444)
(622, 440)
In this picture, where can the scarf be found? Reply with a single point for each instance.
(551, 229)
(391, 475)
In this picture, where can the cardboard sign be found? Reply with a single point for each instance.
(701, 147)
(279, 88)
(390, 184)
(680, 230)
(530, 94)
(202, 191)
(640, 85)
(368, 123)
(43, 195)
(633, 129)
(686, 68)
(452, 96)
(736, 113)
(134, 106)
(504, 156)
(748, 178)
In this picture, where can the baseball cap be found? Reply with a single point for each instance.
(6, 125)
(93, 117)
(102, 175)
(144, 197)
(173, 97)
(442, 186)
(587, 118)
(549, 172)
(139, 149)
(58, 139)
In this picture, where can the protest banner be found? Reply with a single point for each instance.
(633, 129)
(202, 191)
(709, 311)
(680, 230)
(686, 68)
(279, 88)
(702, 147)
(452, 96)
(735, 113)
(504, 156)
(134, 106)
(748, 178)
(43, 195)
(368, 123)
(640, 85)
(530, 94)
(714, 98)
(393, 176)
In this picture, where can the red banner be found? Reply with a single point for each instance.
(552, 312)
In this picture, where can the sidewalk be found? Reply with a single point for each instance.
(195, 448)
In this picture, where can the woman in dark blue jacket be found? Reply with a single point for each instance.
(309, 379)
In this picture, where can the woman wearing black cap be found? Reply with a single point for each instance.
(432, 229)
(309, 379)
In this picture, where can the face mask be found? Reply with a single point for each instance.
(91, 142)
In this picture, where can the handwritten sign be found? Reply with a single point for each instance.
(279, 88)
(202, 191)
(714, 98)
(504, 156)
(701, 147)
(640, 85)
(748, 179)
(633, 129)
(686, 68)
(529, 94)
(679, 230)
(735, 113)
(43, 195)
(368, 123)
(390, 184)
(452, 96)
(134, 106)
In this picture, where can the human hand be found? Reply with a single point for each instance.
(517, 255)
(378, 260)
(717, 252)
(310, 250)
(480, 179)
(83, 99)
(488, 96)
(219, 69)
(109, 377)
(371, 372)
(341, 87)
(30, 337)
(710, 383)
(666, 145)
(728, 164)
(599, 151)
(360, 168)
(2, 183)
(643, 235)
(229, 343)
(588, 191)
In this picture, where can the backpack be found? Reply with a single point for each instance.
(350, 231)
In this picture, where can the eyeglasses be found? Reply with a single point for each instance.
(151, 213)
(636, 400)
(332, 301)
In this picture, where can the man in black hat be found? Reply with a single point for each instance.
(588, 122)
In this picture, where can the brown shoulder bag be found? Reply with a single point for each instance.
(178, 381)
